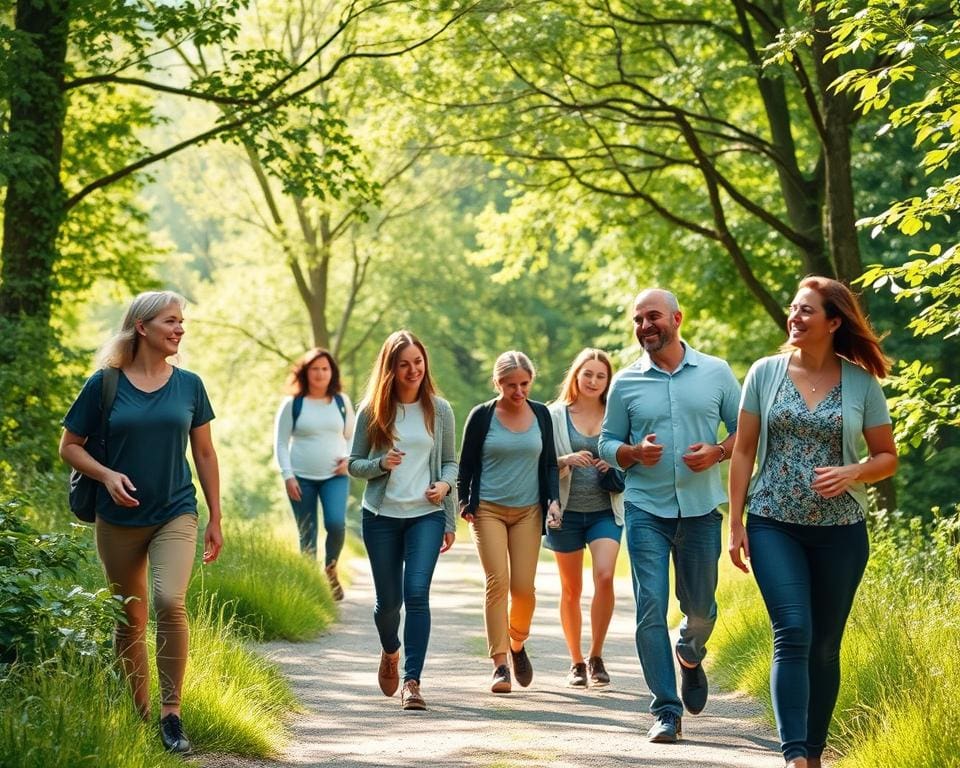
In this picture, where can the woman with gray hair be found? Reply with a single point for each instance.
(508, 487)
(146, 505)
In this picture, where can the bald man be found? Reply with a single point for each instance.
(661, 426)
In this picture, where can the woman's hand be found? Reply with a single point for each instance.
(468, 516)
(437, 492)
(391, 459)
(578, 459)
(739, 547)
(601, 466)
(119, 486)
(293, 488)
(832, 481)
(448, 538)
(212, 541)
(341, 468)
(554, 515)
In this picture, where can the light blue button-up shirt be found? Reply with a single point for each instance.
(681, 408)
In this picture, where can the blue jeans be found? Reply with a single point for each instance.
(332, 496)
(403, 553)
(694, 543)
(808, 576)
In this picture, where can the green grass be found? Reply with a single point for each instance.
(266, 585)
(76, 715)
(900, 658)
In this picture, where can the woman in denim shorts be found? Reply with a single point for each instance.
(592, 514)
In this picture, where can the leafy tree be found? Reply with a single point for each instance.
(918, 84)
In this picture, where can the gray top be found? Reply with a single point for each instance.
(798, 440)
(510, 460)
(365, 461)
(586, 495)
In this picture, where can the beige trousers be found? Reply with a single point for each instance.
(508, 542)
(170, 549)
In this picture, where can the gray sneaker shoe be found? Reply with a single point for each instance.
(501, 680)
(666, 729)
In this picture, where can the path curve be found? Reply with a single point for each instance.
(349, 723)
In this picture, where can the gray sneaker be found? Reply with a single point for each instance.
(598, 672)
(666, 729)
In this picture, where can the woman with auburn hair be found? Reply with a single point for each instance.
(311, 431)
(592, 512)
(404, 448)
(802, 416)
(146, 505)
(509, 488)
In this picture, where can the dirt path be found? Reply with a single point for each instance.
(350, 724)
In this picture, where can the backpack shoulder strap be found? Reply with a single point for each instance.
(341, 406)
(297, 408)
(108, 393)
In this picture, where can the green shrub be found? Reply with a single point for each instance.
(43, 614)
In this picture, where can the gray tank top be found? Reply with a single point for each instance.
(585, 492)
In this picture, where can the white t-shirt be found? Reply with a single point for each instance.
(404, 495)
(319, 441)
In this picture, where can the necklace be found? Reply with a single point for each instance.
(813, 384)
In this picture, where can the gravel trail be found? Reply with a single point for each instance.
(349, 723)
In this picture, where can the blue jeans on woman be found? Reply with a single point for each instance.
(332, 496)
(808, 576)
(694, 543)
(403, 553)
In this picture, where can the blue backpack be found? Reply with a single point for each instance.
(298, 407)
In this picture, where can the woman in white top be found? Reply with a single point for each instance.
(592, 512)
(313, 427)
(404, 449)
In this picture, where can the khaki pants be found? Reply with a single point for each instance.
(170, 549)
(508, 542)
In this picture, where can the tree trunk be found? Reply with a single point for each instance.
(840, 217)
(34, 205)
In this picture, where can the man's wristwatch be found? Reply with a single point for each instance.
(723, 452)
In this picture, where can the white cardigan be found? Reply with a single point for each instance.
(561, 439)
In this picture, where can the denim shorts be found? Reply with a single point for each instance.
(580, 528)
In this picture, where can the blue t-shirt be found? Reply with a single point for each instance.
(147, 436)
(510, 465)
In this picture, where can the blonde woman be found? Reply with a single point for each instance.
(508, 488)
(311, 431)
(146, 507)
(404, 448)
(592, 512)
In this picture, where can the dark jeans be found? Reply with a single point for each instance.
(403, 553)
(694, 543)
(808, 576)
(332, 496)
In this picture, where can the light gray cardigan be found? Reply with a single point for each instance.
(862, 405)
(365, 461)
(561, 439)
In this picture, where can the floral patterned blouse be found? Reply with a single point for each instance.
(799, 440)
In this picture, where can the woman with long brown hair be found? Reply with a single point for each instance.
(311, 431)
(404, 448)
(592, 512)
(802, 417)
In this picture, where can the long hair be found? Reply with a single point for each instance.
(855, 339)
(569, 389)
(298, 382)
(381, 397)
(121, 348)
(511, 361)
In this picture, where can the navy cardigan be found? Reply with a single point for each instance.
(471, 457)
